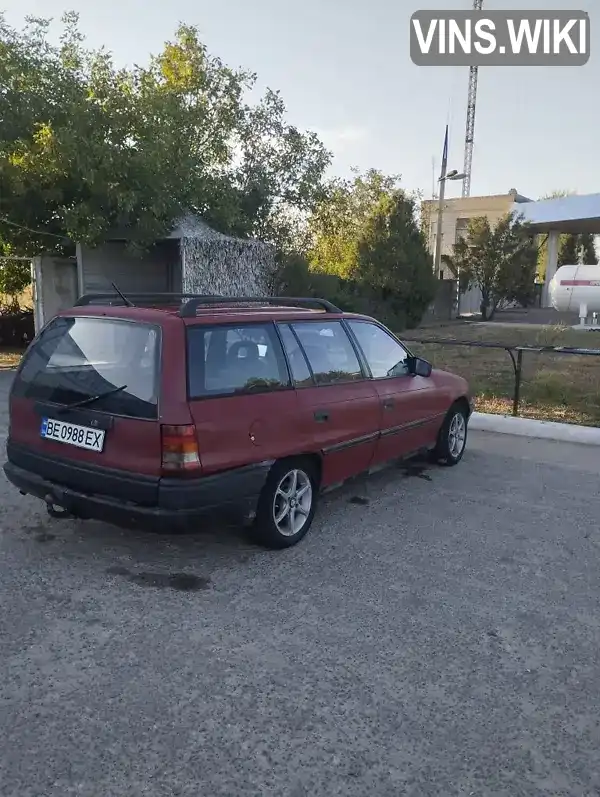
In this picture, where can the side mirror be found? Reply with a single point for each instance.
(419, 367)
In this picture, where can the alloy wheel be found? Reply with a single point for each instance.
(457, 435)
(292, 502)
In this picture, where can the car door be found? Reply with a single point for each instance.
(338, 407)
(240, 395)
(408, 412)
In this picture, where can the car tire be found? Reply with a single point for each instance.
(287, 504)
(452, 437)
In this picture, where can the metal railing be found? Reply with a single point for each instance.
(517, 362)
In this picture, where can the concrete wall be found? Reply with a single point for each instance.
(194, 258)
(54, 285)
(157, 270)
(213, 264)
(455, 218)
(443, 307)
(455, 210)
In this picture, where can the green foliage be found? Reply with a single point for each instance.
(499, 260)
(86, 146)
(572, 249)
(295, 278)
(15, 276)
(587, 250)
(393, 257)
(568, 250)
(367, 254)
(338, 220)
(577, 250)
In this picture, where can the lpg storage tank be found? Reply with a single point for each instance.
(576, 288)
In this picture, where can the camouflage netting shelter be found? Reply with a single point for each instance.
(193, 258)
(214, 263)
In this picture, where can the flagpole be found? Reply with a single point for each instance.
(442, 193)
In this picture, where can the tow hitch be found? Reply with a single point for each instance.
(56, 511)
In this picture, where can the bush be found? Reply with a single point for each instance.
(15, 277)
(294, 278)
(393, 260)
(364, 235)
(16, 327)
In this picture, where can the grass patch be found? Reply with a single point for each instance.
(555, 387)
(9, 357)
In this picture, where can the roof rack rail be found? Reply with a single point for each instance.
(114, 298)
(190, 307)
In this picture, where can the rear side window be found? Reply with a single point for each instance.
(329, 351)
(298, 364)
(226, 360)
(75, 359)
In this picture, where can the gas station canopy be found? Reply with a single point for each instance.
(568, 214)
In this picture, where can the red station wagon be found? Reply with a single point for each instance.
(159, 415)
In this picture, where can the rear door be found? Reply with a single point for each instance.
(338, 408)
(241, 399)
(85, 399)
(408, 406)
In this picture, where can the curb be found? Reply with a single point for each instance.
(541, 430)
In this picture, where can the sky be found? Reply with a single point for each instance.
(344, 70)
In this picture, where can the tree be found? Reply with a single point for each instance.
(577, 250)
(86, 146)
(339, 218)
(15, 276)
(587, 250)
(568, 250)
(565, 247)
(573, 248)
(499, 260)
(364, 233)
(393, 256)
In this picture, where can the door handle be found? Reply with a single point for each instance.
(321, 416)
(388, 404)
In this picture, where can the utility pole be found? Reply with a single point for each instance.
(444, 176)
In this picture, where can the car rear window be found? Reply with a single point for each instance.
(75, 359)
(226, 360)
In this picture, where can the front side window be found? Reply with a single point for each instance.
(225, 360)
(329, 351)
(77, 358)
(385, 356)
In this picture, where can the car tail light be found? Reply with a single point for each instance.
(180, 449)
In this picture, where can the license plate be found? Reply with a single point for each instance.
(73, 434)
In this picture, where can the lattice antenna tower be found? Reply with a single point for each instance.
(470, 127)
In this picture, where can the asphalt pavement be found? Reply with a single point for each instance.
(437, 633)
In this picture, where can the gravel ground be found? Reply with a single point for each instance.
(437, 633)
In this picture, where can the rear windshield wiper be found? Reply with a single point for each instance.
(92, 399)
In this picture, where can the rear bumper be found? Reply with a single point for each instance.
(180, 504)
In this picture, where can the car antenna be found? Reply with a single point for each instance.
(128, 303)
